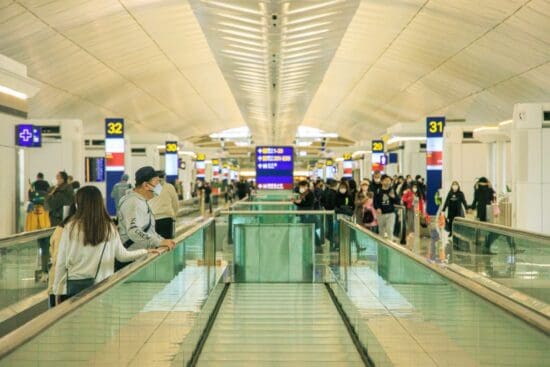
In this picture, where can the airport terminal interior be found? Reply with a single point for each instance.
(275, 183)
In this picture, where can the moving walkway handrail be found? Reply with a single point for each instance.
(533, 317)
(503, 230)
(33, 328)
(22, 237)
(290, 212)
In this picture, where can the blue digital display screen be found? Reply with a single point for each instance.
(275, 167)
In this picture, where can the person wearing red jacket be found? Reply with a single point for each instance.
(413, 200)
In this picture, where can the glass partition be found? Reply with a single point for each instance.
(24, 262)
(272, 195)
(154, 308)
(323, 221)
(516, 259)
(270, 253)
(405, 312)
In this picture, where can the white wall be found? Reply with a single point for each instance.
(8, 181)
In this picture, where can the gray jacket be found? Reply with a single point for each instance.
(136, 222)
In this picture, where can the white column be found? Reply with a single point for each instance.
(452, 156)
(530, 153)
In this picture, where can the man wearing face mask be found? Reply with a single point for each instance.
(376, 183)
(136, 223)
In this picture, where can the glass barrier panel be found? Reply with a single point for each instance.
(516, 260)
(404, 311)
(148, 314)
(23, 269)
(274, 253)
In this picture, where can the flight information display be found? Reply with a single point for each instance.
(275, 168)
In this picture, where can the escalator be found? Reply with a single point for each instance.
(289, 324)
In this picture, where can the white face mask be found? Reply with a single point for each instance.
(455, 188)
(157, 189)
(415, 189)
(343, 191)
(302, 190)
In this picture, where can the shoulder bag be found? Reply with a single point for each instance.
(76, 286)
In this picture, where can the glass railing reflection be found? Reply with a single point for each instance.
(407, 313)
(154, 305)
(516, 259)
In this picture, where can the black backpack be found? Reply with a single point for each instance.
(368, 217)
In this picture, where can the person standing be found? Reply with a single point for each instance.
(136, 223)
(88, 246)
(360, 200)
(242, 188)
(306, 201)
(37, 216)
(165, 208)
(384, 203)
(457, 205)
(483, 196)
(376, 183)
(62, 195)
(208, 196)
(120, 189)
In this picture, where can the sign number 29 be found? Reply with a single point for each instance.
(436, 127)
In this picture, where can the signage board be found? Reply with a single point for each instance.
(275, 167)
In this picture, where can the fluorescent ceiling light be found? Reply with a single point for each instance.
(244, 54)
(241, 27)
(303, 153)
(397, 139)
(189, 153)
(507, 122)
(242, 19)
(301, 54)
(307, 34)
(313, 17)
(300, 42)
(301, 48)
(246, 42)
(12, 92)
(301, 59)
(304, 143)
(241, 34)
(242, 143)
(485, 128)
(238, 132)
(225, 5)
(307, 26)
(339, 159)
(247, 48)
(312, 132)
(240, 58)
(314, 7)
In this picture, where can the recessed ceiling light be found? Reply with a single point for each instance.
(12, 92)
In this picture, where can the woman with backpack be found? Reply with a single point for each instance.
(88, 246)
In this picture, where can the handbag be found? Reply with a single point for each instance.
(496, 210)
(76, 286)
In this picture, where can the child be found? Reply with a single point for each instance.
(369, 214)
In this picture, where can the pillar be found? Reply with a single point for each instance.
(530, 154)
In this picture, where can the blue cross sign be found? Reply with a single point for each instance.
(27, 135)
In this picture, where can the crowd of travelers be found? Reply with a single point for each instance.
(88, 245)
(373, 202)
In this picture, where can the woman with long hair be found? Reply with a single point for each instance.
(88, 246)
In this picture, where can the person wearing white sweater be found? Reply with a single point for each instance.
(165, 208)
(89, 245)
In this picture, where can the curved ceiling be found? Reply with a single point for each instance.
(395, 61)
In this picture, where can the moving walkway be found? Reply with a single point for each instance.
(268, 299)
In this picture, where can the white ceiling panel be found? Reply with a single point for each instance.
(355, 67)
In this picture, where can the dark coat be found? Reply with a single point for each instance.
(62, 196)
